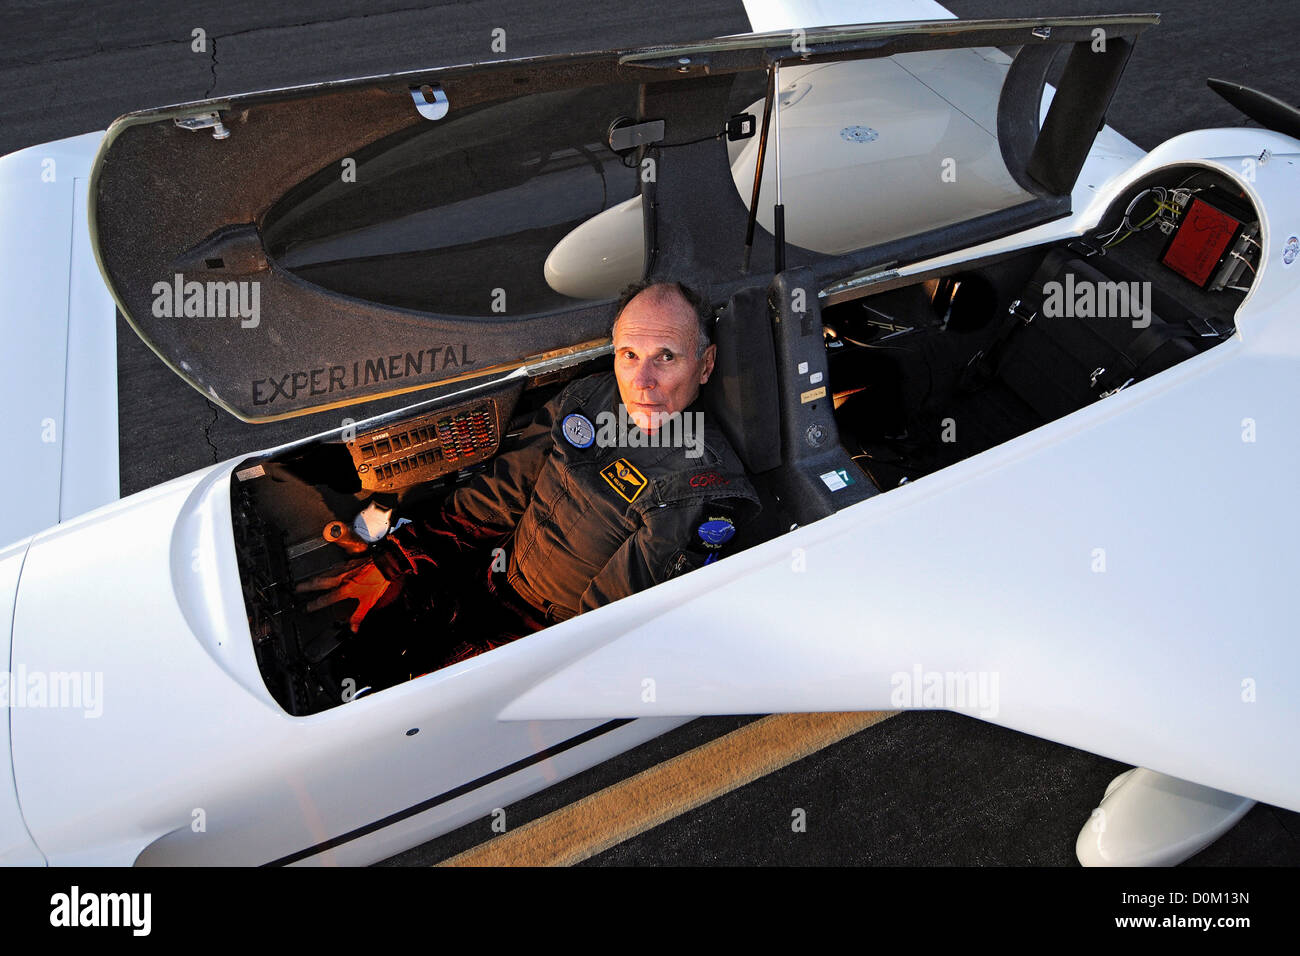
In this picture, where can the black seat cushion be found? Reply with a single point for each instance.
(1058, 363)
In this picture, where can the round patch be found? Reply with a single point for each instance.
(1291, 251)
(716, 532)
(578, 430)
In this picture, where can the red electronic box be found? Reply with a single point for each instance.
(1202, 241)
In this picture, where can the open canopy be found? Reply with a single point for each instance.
(301, 249)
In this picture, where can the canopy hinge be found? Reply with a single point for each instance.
(210, 121)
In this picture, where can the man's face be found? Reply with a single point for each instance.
(655, 343)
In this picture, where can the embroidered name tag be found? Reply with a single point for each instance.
(623, 478)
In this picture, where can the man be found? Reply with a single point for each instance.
(585, 513)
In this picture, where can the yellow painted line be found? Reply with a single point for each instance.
(632, 806)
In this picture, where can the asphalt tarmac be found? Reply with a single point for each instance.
(919, 788)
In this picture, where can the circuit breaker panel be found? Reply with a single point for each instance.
(420, 449)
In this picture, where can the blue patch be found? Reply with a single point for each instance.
(716, 532)
(578, 430)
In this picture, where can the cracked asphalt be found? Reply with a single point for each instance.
(924, 788)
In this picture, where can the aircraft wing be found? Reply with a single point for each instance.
(766, 16)
(58, 343)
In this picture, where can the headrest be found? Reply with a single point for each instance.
(742, 392)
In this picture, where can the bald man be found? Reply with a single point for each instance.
(620, 482)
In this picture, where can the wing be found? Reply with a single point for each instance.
(58, 353)
(766, 16)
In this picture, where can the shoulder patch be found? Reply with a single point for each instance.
(578, 430)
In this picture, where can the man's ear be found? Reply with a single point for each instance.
(710, 354)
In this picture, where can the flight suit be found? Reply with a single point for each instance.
(582, 522)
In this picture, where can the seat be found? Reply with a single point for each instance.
(1045, 363)
(1058, 359)
(741, 393)
(741, 396)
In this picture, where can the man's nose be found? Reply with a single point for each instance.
(644, 377)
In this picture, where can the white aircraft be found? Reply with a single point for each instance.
(995, 367)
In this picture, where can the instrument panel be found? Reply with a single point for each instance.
(427, 447)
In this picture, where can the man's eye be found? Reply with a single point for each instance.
(666, 357)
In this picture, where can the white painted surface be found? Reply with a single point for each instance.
(16, 846)
(927, 111)
(1151, 819)
(58, 356)
(186, 724)
(766, 16)
(918, 117)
